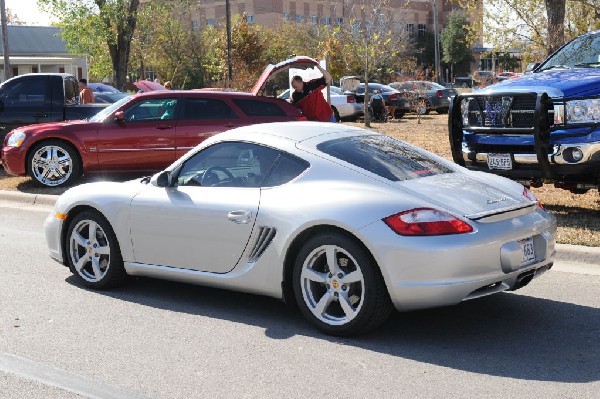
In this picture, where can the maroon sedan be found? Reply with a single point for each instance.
(141, 133)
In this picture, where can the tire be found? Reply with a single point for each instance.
(399, 114)
(347, 299)
(442, 111)
(94, 259)
(53, 163)
(336, 114)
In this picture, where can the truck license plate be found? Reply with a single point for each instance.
(528, 250)
(499, 161)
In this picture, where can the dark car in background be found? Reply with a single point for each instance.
(106, 94)
(425, 96)
(391, 96)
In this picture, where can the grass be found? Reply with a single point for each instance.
(578, 214)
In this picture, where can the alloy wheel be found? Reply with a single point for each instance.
(51, 165)
(89, 250)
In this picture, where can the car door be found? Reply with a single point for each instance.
(204, 221)
(25, 101)
(202, 117)
(143, 140)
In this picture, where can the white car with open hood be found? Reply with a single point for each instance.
(346, 223)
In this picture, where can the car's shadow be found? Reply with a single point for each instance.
(508, 335)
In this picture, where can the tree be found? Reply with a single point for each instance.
(87, 25)
(13, 19)
(455, 45)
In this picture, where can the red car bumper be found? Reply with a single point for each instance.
(13, 160)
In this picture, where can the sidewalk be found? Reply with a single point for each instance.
(564, 252)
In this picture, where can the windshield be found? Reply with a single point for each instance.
(384, 156)
(100, 116)
(583, 51)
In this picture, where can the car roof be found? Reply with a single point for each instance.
(203, 94)
(292, 131)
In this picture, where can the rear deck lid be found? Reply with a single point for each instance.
(273, 73)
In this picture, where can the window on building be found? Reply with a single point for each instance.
(410, 30)
(326, 20)
(299, 18)
(195, 25)
(422, 30)
(210, 22)
(314, 19)
(250, 19)
(339, 21)
(286, 17)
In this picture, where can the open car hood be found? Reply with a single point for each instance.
(147, 85)
(268, 75)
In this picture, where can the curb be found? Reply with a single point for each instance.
(28, 199)
(564, 252)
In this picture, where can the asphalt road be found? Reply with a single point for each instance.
(167, 340)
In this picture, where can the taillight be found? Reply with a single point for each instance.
(529, 195)
(393, 97)
(350, 99)
(301, 118)
(439, 93)
(426, 222)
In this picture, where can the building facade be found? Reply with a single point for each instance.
(37, 49)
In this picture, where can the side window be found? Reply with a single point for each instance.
(230, 164)
(255, 107)
(26, 92)
(71, 91)
(286, 169)
(155, 109)
(207, 108)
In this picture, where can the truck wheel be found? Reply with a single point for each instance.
(53, 163)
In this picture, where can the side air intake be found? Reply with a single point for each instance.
(265, 236)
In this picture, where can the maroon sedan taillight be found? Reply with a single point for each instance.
(350, 99)
(440, 94)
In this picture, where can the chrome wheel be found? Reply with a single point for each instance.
(89, 250)
(332, 285)
(51, 165)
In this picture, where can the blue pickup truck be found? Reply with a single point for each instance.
(541, 128)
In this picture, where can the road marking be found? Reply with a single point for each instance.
(62, 379)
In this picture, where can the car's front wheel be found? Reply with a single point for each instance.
(53, 163)
(93, 252)
(339, 287)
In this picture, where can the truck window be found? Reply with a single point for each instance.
(71, 91)
(30, 92)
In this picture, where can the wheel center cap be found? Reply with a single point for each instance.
(335, 284)
(90, 250)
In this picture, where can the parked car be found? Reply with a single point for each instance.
(39, 98)
(542, 127)
(391, 96)
(141, 133)
(346, 223)
(465, 81)
(430, 95)
(506, 75)
(106, 94)
(344, 106)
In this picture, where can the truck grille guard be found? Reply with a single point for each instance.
(501, 113)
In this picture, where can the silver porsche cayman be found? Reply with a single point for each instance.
(345, 223)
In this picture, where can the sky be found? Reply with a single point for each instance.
(28, 12)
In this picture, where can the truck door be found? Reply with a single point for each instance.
(24, 101)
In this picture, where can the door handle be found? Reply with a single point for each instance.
(40, 115)
(164, 127)
(240, 217)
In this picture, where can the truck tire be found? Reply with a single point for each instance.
(53, 163)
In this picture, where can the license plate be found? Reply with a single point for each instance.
(499, 161)
(528, 250)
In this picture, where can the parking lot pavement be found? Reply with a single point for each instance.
(169, 340)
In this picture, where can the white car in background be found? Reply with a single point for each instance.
(344, 106)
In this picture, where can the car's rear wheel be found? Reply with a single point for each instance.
(93, 252)
(442, 110)
(53, 163)
(339, 287)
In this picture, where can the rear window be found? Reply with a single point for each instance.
(384, 156)
(254, 107)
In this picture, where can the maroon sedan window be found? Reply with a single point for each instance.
(207, 108)
(154, 109)
(255, 107)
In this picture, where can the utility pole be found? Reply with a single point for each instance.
(436, 36)
(5, 41)
(229, 57)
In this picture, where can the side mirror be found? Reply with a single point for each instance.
(119, 116)
(162, 179)
(531, 66)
